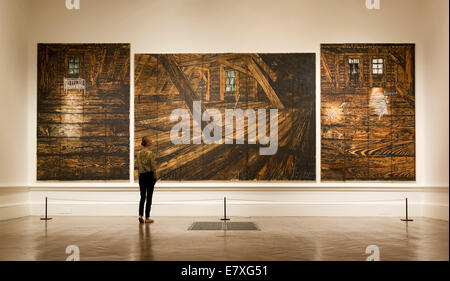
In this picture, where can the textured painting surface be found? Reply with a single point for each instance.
(283, 84)
(83, 111)
(367, 112)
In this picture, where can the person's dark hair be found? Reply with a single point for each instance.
(145, 141)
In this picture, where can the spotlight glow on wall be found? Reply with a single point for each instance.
(73, 4)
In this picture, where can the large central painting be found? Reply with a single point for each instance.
(228, 116)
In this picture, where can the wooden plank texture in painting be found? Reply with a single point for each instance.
(83, 134)
(367, 112)
(165, 82)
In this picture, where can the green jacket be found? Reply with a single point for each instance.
(146, 162)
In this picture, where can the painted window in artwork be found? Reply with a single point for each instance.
(74, 66)
(354, 68)
(230, 81)
(377, 66)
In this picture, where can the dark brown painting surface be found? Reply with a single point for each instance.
(367, 112)
(83, 112)
(286, 82)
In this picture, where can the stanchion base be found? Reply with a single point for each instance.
(46, 219)
(406, 220)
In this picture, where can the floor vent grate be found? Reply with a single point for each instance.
(231, 226)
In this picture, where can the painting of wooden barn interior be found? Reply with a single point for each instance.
(367, 112)
(201, 111)
(83, 112)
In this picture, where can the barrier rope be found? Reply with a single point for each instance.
(46, 218)
(234, 199)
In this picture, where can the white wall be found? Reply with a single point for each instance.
(14, 113)
(239, 26)
(436, 92)
(14, 202)
(153, 26)
(15, 138)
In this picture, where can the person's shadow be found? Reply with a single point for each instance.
(145, 243)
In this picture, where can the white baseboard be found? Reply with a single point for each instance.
(14, 202)
(436, 203)
(14, 211)
(436, 211)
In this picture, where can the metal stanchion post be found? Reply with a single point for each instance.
(46, 217)
(224, 210)
(406, 219)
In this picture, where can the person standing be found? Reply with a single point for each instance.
(147, 178)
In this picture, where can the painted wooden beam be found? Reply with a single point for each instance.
(398, 60)
(265, 67)
(222, 83)
(206, 79)
(189, 72)
(327, 70)
(100, 69)
(111, 70)
(263, 82)
(206, 60)
(141, 61)
(180, 81)
(404, 94)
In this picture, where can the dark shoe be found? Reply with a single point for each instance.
(141, 220)
(148, 220)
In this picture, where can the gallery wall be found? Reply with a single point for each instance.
(436, 73)
(15, 138)
(15, 141)
(435, 94)
(260, 26)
